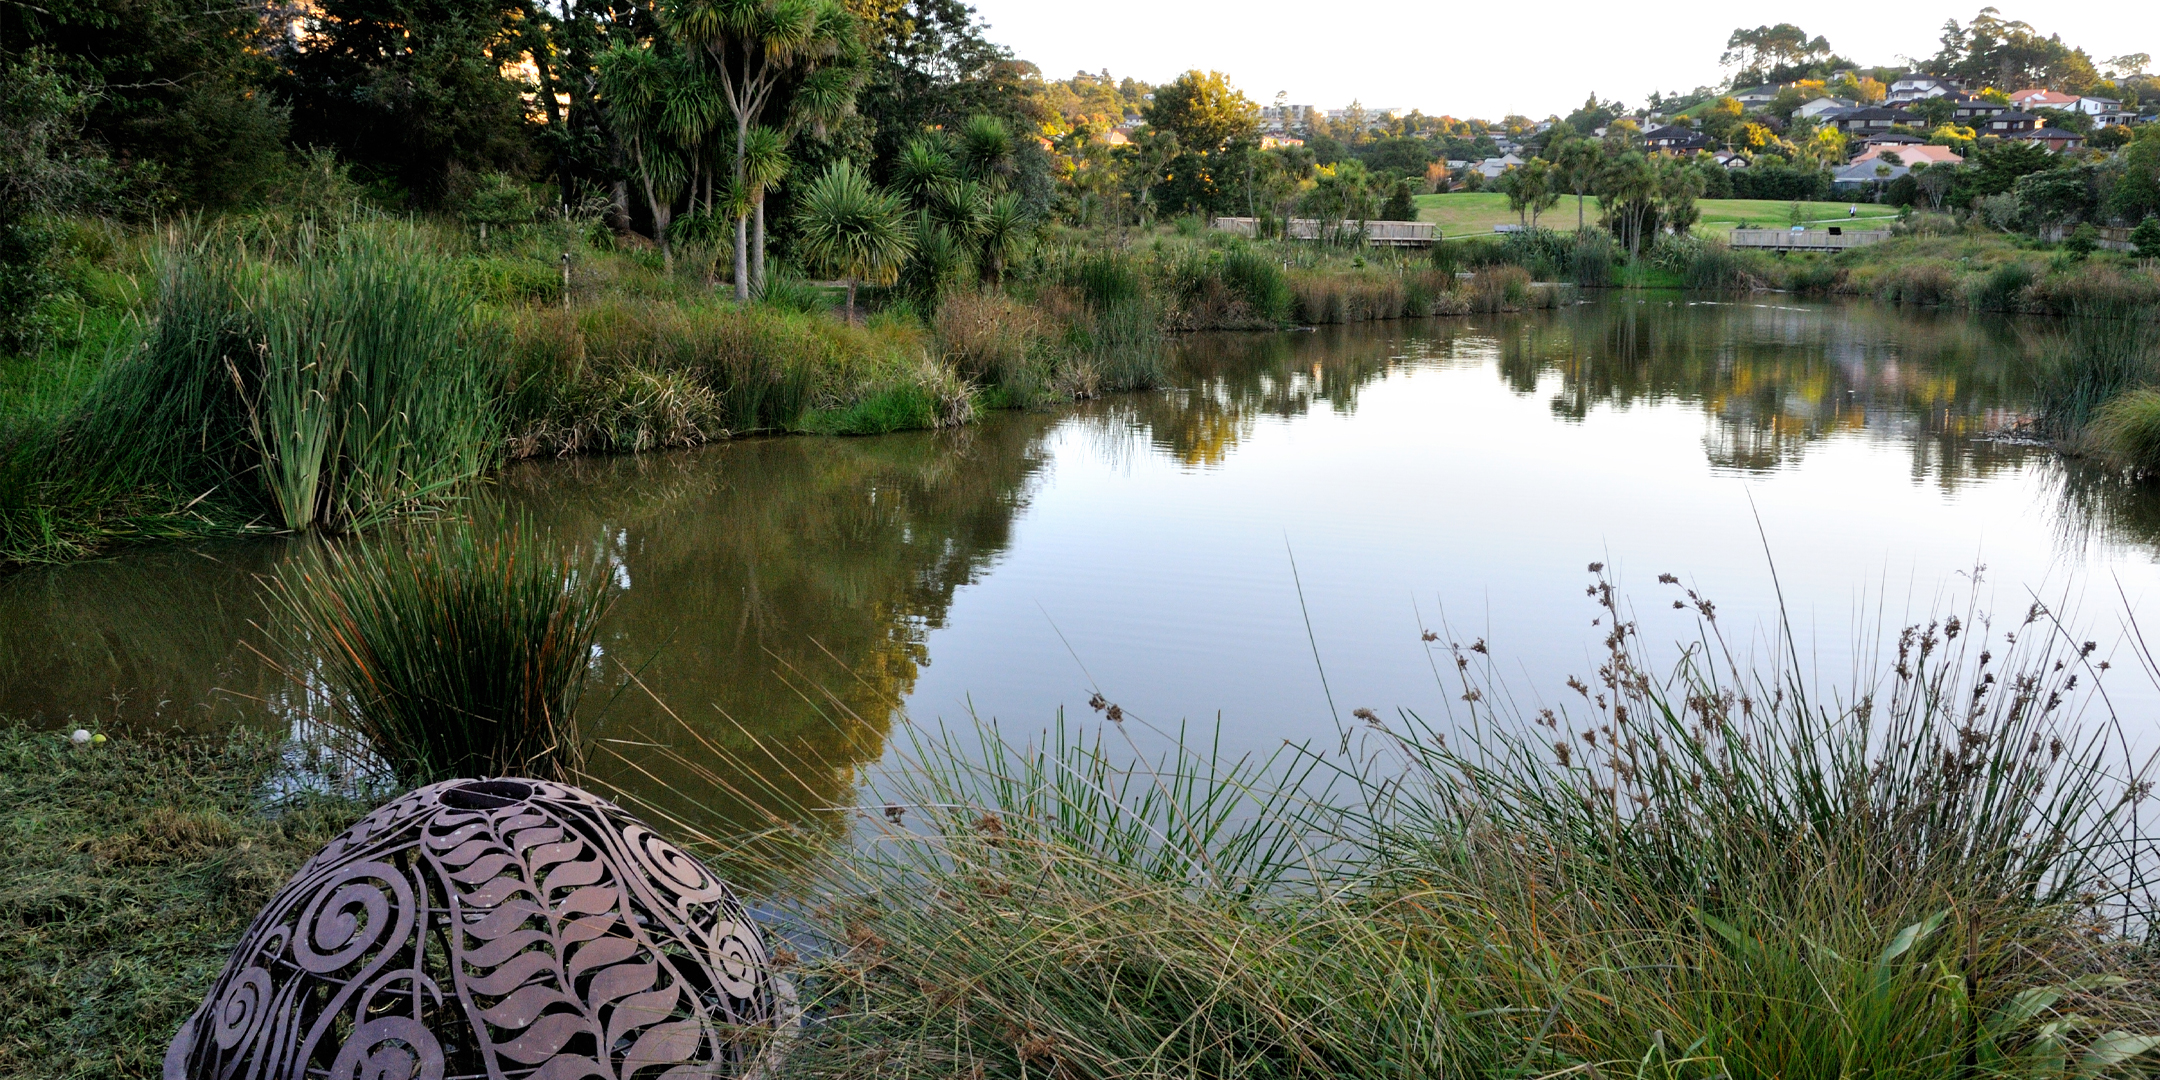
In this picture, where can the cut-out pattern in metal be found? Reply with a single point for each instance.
(509, 929)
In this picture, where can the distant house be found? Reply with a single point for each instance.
(2037, 98)
(1115, 137)
(2007, 124)
(2104, 111)
(1278, 142)
(1730, 160)
(1822, 105)
(1912, 154)
(1493, 168)
(1862, 121)
(1892, 138)
(1755, 96)
(1971, 109)
(1860, 173)
(2055, 139)
(1916, 87)
(1676, 139)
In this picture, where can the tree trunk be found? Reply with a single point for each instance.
(851, 301)
(662, 214)
(742, 259)
(1578, 212)
(757, 246)
(554, 117)
(742, 224)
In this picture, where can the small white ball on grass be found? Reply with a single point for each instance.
(81, 736)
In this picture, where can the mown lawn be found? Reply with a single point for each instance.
(127, 871)
(1470, 213)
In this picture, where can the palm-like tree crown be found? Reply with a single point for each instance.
(851, 229)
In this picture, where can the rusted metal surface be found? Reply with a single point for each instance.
(508, 929)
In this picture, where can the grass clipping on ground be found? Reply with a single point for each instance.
(127, 871)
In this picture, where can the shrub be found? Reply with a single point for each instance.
(1593, 259)
(2146, 237)
(996, 341)
(1923, 284)
(2003, 288)
(1500, 288)
(1815, 276)
(1258, 281)
(456, 651)
(1926, 223)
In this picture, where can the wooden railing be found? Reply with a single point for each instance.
(1378, 233)
(1812, 240)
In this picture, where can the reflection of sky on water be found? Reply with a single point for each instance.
(1411, 484)
(1456, 473)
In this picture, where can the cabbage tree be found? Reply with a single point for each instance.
(853, 231)
(783, 65)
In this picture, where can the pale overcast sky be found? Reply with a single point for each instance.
(1490, 59)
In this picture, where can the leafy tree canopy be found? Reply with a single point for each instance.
(2010, 54)
(1774, 54)
(1205, 112)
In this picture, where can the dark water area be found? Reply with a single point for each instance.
(801, 597)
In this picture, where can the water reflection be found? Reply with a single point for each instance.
(775, 595)
(778, 595)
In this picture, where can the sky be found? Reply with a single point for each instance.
(1490, 59)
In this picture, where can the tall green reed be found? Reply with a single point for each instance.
(1705, 870)
(2086, 364)
(452, 650)
(333, 388)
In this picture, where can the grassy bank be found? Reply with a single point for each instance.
(130, 870)
(275, 373)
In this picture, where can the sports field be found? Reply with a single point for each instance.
(1475, 213)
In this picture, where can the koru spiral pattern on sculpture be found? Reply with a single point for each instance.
(511, 929)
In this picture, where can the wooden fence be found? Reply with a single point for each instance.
(2111, 238)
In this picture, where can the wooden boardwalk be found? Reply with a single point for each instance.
(1835, 238)
(1377, 233)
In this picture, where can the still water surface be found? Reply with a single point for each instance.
(1188, 553)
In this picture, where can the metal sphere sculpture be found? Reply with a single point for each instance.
(510, 929)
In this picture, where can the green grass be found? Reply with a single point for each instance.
(129, 869)
(1474, 213)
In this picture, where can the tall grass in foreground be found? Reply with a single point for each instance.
(448, 650)
(1704, 872)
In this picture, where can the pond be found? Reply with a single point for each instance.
(1261, 546)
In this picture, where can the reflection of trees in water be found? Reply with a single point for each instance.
(1228, 382)
(150, 640)
(1774, 378)
(788, 584)
(2097, 504)
(776, 595)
